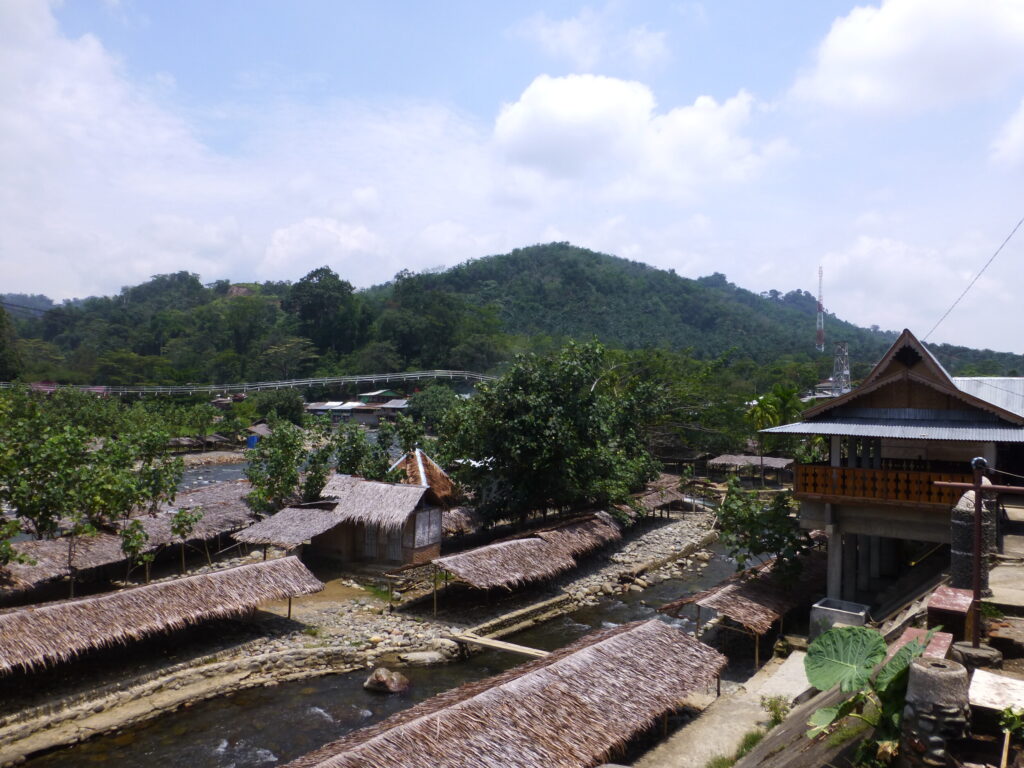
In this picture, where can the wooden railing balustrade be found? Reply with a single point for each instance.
(817, 482)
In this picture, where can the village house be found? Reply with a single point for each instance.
(907, 425)
(360, 521)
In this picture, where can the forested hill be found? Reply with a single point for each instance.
(174, 329)
(561, 290)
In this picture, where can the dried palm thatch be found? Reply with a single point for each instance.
(460, 520)
(289, 527)
(578, 537)
(570, 709)
(385, 505)
(660, 498)
(55, 632)
(51, 559)
(420, 469)
(732, 461)
(507, 563)
(757, 598)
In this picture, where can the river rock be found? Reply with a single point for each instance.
(384, 680)
(422, 658)
(447, 648)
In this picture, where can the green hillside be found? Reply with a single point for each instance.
(174, 329)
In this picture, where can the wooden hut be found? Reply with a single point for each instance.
(54, 632)
(572, 709)
(389, 523)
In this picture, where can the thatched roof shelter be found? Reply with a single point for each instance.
(385, 505)
(420, 469)
(507, 563)
(660, 498)
(757, 598)
(578, 537)
(541, 554)
(289, 527)
(733, 461)
(571, 708)
(51, 559)
(54, 632)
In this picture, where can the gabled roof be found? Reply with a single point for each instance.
(387, 505)
(909, 359)
(420, 469)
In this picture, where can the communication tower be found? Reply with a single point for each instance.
(841, 370)
(820, 333)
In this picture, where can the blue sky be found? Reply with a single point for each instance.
(259, 140)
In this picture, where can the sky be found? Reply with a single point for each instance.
(257, 140)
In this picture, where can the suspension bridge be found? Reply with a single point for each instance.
(258, 386)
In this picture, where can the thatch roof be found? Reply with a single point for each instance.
(569, 709)
(732, 461)
(459, 520)
(223, 506)
(289, 527)
(578, 537)
(54, 632)
(386, 505)
(51, 559)
(507, 563)
(420, 469)
(660, 498)
(756, 598)
(540, 555)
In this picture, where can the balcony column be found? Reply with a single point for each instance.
(849, 575)
(834, 579)
(834, 451)
(863, 562)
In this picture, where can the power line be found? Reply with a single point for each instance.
(971, 284)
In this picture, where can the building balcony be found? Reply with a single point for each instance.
(848, 485)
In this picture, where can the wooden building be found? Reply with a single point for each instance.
(370, 522)
(906, 426)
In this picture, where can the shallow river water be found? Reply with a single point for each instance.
(270, 726)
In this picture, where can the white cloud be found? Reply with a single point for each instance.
(592, 38)
(911, 55)
(1008, 146)
(608, 130)
(896, 284)
(296, 249)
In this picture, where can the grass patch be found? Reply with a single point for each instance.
(312, 631)
(847, 732)
(750, 740)
(381, 593)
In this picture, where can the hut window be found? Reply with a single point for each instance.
(428, 527)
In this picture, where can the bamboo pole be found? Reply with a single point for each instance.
(289, 606)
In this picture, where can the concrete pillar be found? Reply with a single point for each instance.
(851, 451)
(834, 450)
(849, 576)
(990, 454)
(834, 581)
(863, 563)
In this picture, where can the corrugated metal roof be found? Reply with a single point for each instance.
(1003, 392)
(907, 429)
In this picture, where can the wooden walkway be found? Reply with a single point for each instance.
(499, 645)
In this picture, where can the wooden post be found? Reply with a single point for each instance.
(697, 631)
(757, 652)
(289, 606)
(434, 579)
(718, 685)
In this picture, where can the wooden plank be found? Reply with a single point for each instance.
(995, 691)
(499, 645)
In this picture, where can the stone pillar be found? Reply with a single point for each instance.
(863, 562)
(936, 711)
(849, 580)
(961, 538)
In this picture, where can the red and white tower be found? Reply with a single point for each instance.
(820, 333)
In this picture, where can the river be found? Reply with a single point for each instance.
(270, 726)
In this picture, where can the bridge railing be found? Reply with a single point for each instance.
(256, 386)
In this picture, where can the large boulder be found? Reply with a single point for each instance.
(384, 680)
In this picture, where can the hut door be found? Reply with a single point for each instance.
(370, 543)
(395, 546)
